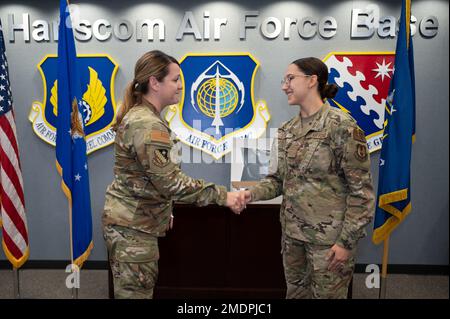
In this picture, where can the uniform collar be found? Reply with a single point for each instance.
(317, 123)
(151, 107)
(319, 120)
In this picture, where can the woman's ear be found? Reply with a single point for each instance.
(313, 81)
(153, 83)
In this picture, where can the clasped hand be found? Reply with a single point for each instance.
(237, 201)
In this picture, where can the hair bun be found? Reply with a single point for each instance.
(330, 91)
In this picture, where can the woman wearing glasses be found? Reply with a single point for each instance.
(323, 173)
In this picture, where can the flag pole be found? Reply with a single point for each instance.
(77, 272)
(74, 293)
(16, 283)
(382, 294)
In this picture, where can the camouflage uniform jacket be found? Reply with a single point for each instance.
(323, 173)
(146, 179)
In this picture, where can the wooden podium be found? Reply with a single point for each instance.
(212, 253)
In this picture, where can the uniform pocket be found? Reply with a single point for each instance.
(320, 156)
(118, 208)
(137, 250)
(293, 155)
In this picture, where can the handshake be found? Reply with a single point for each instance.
(237, 201)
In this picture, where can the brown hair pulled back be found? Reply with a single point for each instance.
(153, 63)
(314, 66)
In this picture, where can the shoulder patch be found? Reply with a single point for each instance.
(358, 135)
(160, 136)
(160, 157)
(361, 152)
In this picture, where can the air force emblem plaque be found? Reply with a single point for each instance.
(218, 102)
(97, 74)
(363, 80)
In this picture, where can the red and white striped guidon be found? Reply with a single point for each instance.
(13, 219)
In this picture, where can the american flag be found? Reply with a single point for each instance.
(13, 220)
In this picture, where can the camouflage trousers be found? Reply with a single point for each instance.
(133, 256)
(306, 273)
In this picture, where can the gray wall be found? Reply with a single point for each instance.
(423, 236)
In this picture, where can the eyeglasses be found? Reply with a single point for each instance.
(287, 80)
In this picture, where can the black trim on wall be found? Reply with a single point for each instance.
(410, 269)
(56, 264)
(360, 268)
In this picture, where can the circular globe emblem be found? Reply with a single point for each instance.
(228, 97)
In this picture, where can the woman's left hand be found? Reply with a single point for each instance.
(337, 256)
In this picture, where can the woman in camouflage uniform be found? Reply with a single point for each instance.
(323, 173)
(138, 207)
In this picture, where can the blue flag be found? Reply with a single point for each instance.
(394, 191)
(71, 159)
